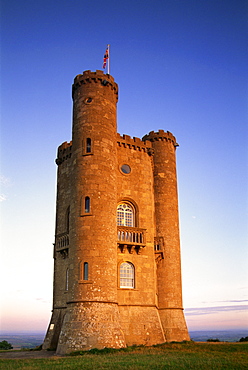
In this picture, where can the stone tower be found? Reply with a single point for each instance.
(117, 273)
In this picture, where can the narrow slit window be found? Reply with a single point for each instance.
(67, 280)
(88, 145)
(86, 271)
(87, 205)
(68, 219)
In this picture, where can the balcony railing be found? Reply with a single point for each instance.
(62, 241)
(159, 248)
(132, 236)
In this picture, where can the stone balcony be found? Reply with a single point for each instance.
(159, 248)
(131, 239)
(62, 244)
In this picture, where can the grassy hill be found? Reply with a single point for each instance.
(188, 355)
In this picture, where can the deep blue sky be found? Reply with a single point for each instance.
(181, 66)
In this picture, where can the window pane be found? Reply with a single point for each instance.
(88, 145)
(126, 275)
(86, 270)
(87, 205)
(125, 168)
(67, 279)
(125, 215)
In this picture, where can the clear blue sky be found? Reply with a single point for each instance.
(181, 66)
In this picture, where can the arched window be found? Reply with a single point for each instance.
(125, 215)
(86, 271)
(67, 279)
(127, 275)
(87, 205)
(88, 145)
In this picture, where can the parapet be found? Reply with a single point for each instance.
(134, 143)
(64, 152)
(97, 77)
(162, 136)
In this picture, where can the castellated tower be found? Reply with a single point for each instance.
(117, 272)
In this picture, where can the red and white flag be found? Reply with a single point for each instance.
(106, 57)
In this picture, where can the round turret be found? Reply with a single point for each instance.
(92, 258)
(167, 233)
(97, 77)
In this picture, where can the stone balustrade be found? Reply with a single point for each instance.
(131, 235)
(62, 241)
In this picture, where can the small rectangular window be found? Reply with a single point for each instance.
(87, 205)
(88, 145)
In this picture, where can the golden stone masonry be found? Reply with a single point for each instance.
(117, 270)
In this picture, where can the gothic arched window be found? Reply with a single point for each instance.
(125, 215)
(127, 275)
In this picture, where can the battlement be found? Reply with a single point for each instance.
(64, 152)
(162, 136)
(134, 143)
(97, 77)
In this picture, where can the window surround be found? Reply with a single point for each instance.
(85, 209)
(122, 169)
(81, 272)
(87, 146)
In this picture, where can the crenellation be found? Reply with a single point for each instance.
(161, 135)
(97, 77)
(137, 140)
(64, 152)
(134, 143)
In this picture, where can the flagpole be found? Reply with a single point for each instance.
(108, 59)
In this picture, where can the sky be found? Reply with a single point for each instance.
(181, 66)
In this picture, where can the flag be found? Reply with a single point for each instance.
(105, 58)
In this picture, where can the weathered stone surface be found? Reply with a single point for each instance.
(90, 307)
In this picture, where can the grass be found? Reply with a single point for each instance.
(189, 355)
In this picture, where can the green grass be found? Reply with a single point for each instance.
(189, 355)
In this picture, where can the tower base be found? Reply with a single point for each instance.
(89, 325)
(54, 329)
(174, 324)
(141, 325)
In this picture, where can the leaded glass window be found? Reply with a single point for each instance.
(126, 275)
(125, 215)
